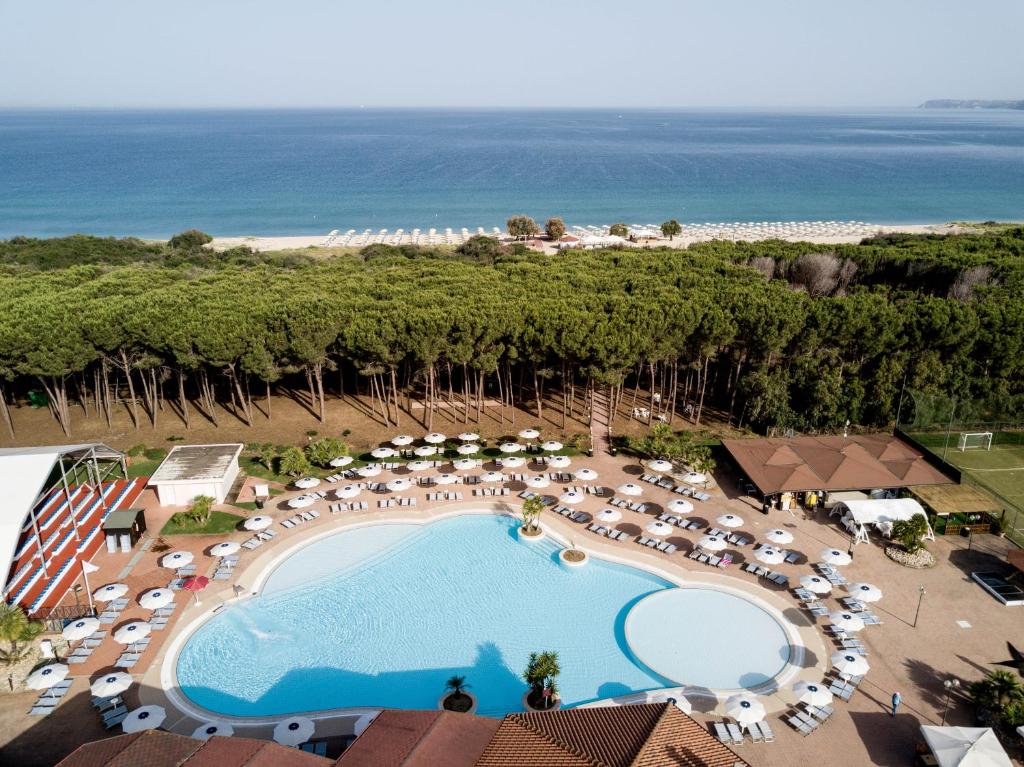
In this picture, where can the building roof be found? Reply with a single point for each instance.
(951, 499)
(420, 739)
(796, 464)
(193, 463)
(643, 735)
(121, 520)
(157, 748)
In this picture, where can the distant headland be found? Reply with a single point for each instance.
(971, 104)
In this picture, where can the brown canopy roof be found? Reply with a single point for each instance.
(951, 499)
(420, 739)
(865, 461)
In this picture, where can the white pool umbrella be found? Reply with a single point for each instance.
(143, 718)
(712, 542)
(399, 485)
(730, 520)
(294, 730)
(513, 462)
(492, 476)
(745, 709)
(694, 478)
(659, 466)
(585, 475)
(812, 693)
(551, 446)
(572, 497)
(401, 440)
(341, 460)
(770, 555)
(419, 465)
(537, 482)
(109, 592)
(382, 452)
(307, 483)
(529, 434)
(224, 549)
(835, 557)
(434, 438)
(559, 462)
(446, 479)
(851, 663)
(301, 501)
(846, 621)
(370, 470)
(469, 436)
(470, 448)
(463, 464)
(154, 599)
(659, 528)
(177, 559)
(110, 684)
(208, 730)
(362, 723)
(816, 584)
(865, 592)
(609, 515)
(679, 506)
(782, 537)
(131, 632)
(630, 489)
(510, 447)
(258, 523)
(80, 629)
(425, 451)
(46, 677)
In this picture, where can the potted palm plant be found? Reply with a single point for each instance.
(456, 697)
(531, 529)
(540, 674)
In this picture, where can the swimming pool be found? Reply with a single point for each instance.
(382, 616)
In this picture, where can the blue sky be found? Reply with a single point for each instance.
(490, 53)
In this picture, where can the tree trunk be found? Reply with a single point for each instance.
(735, 386)
(672, 392)
(6, 410)
(318, 377)
(108, 405)
(650, 411)
(465, 394)
(508, 388)
(182, 401)
(55, 393)
(479, 395)
(703, 385)
(83, 393)
(394, 395)
(501, 395)
(269, 414)
(536, 393)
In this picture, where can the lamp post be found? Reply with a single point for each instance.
(920, 598)
(950, 685)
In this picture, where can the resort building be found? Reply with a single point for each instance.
(193, 470)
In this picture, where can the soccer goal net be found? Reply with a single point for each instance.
(974, 440)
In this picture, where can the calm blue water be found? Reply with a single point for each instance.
(307, 172)
(382, 616)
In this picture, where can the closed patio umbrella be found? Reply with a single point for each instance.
(551, 446)
(659, 528)
(812, 693)
(131, 632)
(143, 718)
(401, 440)
(816, 584)
(730, 520)
(679, 506)
(529, 434)
(470, 448)
(609, 515)
(510, 447)
(835, 557)
(850, 622)
(341, 460)
(585, 474)
(307, 483)
(850, 663)
(513, 462)
(865, 592)
(208, 730)
(463, 464)
(80, 629)
(537, 482)
(382, 452)
(630, 488)
(177, 559)
(370, 470)
(469, 436)
(258, 523)
(110, 592)
(559, 462)
(154, 599)
(659, 466)
(46, 677)
(770, 556)
(712, 542)
(425, 451)
(492, 476)
(781, 537)
(434, 438)
(224, 549)
(572, 497)
(294, 730)
(745, 709)
(399, 485)
(110, 684)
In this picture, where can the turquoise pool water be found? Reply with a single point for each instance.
(383, 615)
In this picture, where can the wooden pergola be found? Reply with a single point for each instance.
(952, 499)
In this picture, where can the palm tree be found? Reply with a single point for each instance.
(456, 686)
(540, 675)
(997, 690)
(17, 633)
(532, 508)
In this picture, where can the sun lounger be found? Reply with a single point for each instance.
(799, 725)
(779, 579)
(721, 733)
(725, 561)
(817, 609)
(105, 704)
(841, 690)
(821, 713)
(754, 732)
(735, 733)
(766, 731)
(80, 655)
(792, 557)
(114, 721)
(43, 710)
(667, 547)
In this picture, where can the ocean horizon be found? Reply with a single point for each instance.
(150, 173)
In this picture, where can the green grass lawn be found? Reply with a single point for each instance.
(220, 522)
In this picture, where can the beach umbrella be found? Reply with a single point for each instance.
(208, 730)
(865, 592)
(630, 489)
(143, 718)
(770, 556)
(492, 476)
(341, 460)
(679, 506)
(195, 585)
(362, 723)
(419, 465)
(294, 730)
(154, 599)
(370, 470)
(851, 663)
(401, 440)
(529, 434)
(559, 462)
(131, 632)
(846, 621)
(462, 464)
(812, 693)
(381, 452)
(46, 677)
(177, 559)
(470, 448)
(110, 592)
(306, 483)
(537, 482)
(659, 528)
(694, 478)
(224, 549)
(301, 501)
(399, 485)
(585, 475)
(659, 466)
(510, 447)
(572, 497)
(730, 520)
(835, 557)
(113, 683)
(425, 451)
(434, 438)
(513, 462)
(469, 436)
(745, 709)
(712, 542)
(782, 537)
(816, 584)
(80, 629)
(258, 523)
(446, 479)
(551, 446)
(609, 515)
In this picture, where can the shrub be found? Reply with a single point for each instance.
(909, 532)
(192, 239)
(325, 450)
(293, 462)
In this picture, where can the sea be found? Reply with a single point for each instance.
(306, 172)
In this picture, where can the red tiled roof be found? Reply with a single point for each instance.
(420, 739)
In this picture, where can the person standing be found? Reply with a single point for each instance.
(896, 700)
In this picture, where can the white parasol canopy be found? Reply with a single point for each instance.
(559, 462)
(177, 559)
(143, 718)
(208, 730)
(679, 506)
(463, 464)
(815, 583)
(419, 465)
(865, 592)
(348, 491)
(80, 629)
(425, 451)
(446, 479)
(113, 683)
(370, 470)
(812, 693)
(585, 474)
(510, 447)
(399, 485)
(341, 460)
(154, 599)
(224, 549)
(470, 448)
(965, 746)
(770, 555)
(110, 592)
(294, 730)
(434, 438)
(492, 476)
(712, 542)
(782, 537)
(659, 466)
(131, 632)
(630, 488)
(538, 482)
(835, 557)
(694, 478)
(46, 677)
(529, 434)
(572, 497)
(258, 523)
(513, 462)
(659, 528)
(745, 709)
(382, 452)
(401, 440)
(730, 520)
(301, 501)
(551, 446)
(846, 621)
(609, 515)
(307, 483)
(469, 436)
(850, 663)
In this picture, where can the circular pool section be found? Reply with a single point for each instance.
(707, 638)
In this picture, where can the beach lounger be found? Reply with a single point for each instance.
(754, 732)
(735, 733)
(841, 690)
(721, 733)
(779, 579)
(80, 655)
(799, 725)
(821, 713)
(105, 704)
(725, 561)
(287, 523)
(43, 710)
(667, 547)
(695, 554)
(114, 721)
(766, 731)
(713, 561)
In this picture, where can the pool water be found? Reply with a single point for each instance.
(382, 616)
